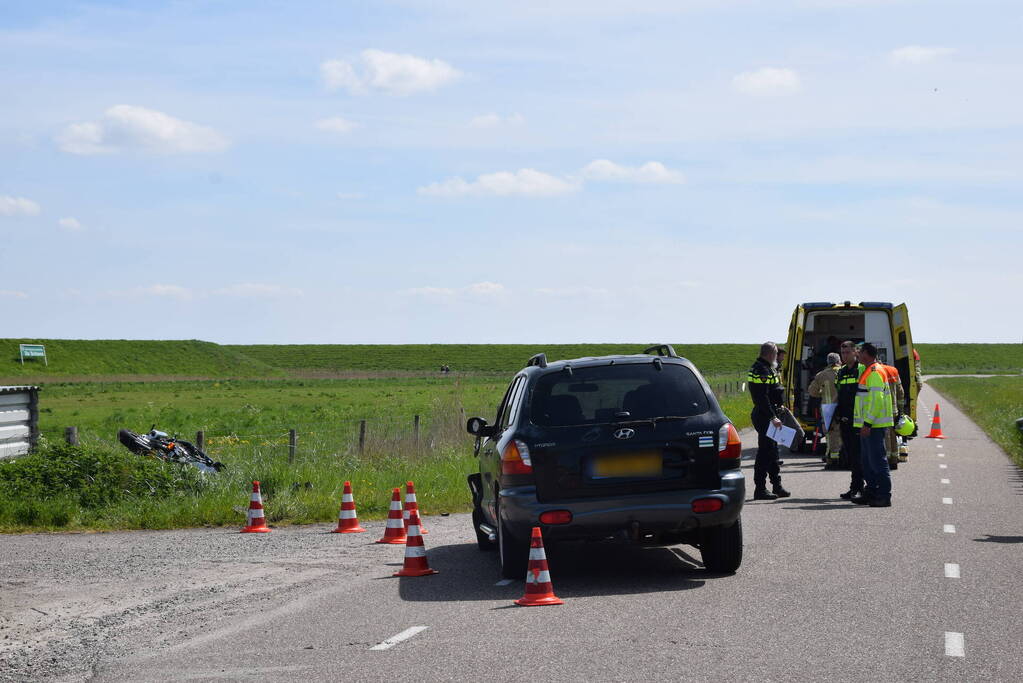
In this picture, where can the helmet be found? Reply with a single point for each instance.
(905, 426)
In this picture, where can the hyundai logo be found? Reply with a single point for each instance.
(625, 433)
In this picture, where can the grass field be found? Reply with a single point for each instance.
(994, 403)
(246, 423)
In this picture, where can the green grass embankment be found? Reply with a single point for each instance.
(123, 357)
(994, 403)
(970, 359)
(712, 359)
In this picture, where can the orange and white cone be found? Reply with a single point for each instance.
(411, 504)
(395, 531)
(539, 590)
(415, 551)
(936, 425)
(347, 518)
(255, 520)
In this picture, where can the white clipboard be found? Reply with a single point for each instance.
(783, 435)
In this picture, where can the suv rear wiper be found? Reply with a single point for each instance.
(665, 418)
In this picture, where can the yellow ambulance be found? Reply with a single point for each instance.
(818, 327)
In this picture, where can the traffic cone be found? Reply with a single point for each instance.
(936, 425)
(415, 551)
(255, 520)
(395, 531)
(411, 504)
(347, 519)
(539, 590)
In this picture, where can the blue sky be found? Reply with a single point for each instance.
(398, 172)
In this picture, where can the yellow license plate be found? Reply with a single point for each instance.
(643, 464)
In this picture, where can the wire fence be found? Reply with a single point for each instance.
(391, 435)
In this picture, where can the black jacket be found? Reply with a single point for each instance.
(764, 388)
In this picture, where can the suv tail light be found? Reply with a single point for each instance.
(515, 458)
(729, 445)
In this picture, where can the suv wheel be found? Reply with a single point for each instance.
(514, 555)
(482, 540)
(721, 548)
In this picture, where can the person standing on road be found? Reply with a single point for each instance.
(766, 391)
(824, 387)
(872, 415)
(846, 380)
(898, 396)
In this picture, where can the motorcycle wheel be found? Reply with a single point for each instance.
(134, 442)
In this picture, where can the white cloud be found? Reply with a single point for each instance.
(525, 182)
(476, 290)
(257, 290)
(69, 223)
(650, 172)
(17, 206)
(485, 288)
(918, 54)
(12, 294)
(768, 80)
(336, 124)
(387, 72)
(493, 120)
(125, 127)
(169, 291)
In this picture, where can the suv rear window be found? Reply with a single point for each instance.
(603, 393)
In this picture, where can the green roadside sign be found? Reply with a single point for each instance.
(32, 351)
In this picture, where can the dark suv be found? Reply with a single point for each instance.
(633, 448)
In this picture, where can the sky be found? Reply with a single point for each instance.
(522, 172)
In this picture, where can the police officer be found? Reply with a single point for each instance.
(846, 380)
(872, 416)
(766, 391)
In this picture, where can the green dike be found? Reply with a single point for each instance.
(712, 359)
(994, 403)
(970, 359)
(123, 357)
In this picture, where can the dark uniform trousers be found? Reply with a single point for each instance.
(851, 446)
(766, 464)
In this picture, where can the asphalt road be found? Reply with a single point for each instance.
(926, 590)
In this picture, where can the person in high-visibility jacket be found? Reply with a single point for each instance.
(872, 415)
(824, 387)
(898, 394)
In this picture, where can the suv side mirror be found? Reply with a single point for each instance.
(478, 427)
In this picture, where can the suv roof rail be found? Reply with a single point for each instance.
(662, 350)
(539, 360)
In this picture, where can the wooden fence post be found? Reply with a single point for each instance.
(362, 436)
(200, 440)
(292, 443)
(71, 435)
(415, 430)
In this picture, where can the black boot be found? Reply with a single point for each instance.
(761, 493)
(849, 495)
(779, 491)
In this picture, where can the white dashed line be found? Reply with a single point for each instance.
(394, 640)
(939, 445)
(946, 501)
(504, 582)
(951, 570)
(944, 481)
(941, 455)
(943, 466)
(954, 644)
(949, 528)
